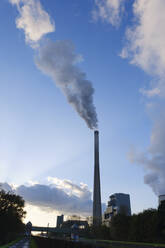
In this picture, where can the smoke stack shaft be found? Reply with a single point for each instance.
(97, 217)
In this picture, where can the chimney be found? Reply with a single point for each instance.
(97, 216)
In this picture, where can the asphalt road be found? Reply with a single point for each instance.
(23, 243)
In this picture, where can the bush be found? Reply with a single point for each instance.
(11, 215)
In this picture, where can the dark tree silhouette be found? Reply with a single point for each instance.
(144, 226)
(119, 228)
(11, 215)
(161, 220)
(147, 226)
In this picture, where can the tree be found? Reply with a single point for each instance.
(11, 215)
(119, 227)
(161, 221)
(144, 226)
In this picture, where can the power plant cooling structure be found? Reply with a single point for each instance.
(97, 216)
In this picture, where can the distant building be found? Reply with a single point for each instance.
(72, 220)
(60, 220)
(74, 217)
(118, 203)
(90, 220)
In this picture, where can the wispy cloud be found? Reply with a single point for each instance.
(109, 11)
(145, 43)
(33, 19)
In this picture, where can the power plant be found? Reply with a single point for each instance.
(97, 213)
(118, 203)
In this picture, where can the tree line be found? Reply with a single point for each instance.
(147, 226)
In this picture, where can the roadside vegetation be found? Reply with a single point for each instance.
(11, 243)
(147, 227)
(129, 244)
(32, 243)
(11, 216)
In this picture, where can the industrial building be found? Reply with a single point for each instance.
(118, 203)
(82, 223)
(60, 220)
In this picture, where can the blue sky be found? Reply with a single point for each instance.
(42, 136)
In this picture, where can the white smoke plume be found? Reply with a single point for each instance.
(58, 60)
(153, 161)
(109, 10)
(145, 43)
(33, 19)
(60, 195)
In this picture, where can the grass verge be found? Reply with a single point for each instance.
(11, 243)
(123, 244)
(131, 243)
(32, 243)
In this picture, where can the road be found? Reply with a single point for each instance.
(23, 243)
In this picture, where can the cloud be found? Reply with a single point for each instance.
(6, 187)
(15, 1)
(33, 19)
(145, 48)
(153, 160)
(61, 195)
(145, 43)
(59, 60)
(71, 188)
(109, 11)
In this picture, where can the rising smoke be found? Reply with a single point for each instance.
(153, 160)
(57, 59)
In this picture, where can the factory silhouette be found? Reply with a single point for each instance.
(119, 203)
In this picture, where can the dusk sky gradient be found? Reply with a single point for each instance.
(117, 46)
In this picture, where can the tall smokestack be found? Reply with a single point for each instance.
(97, 217)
